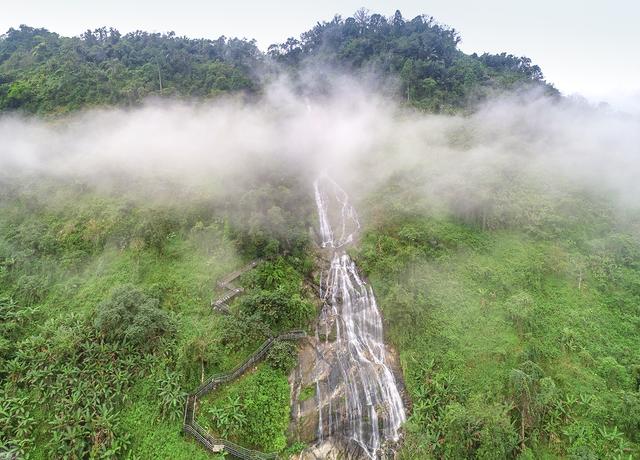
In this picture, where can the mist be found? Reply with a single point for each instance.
(351, 133)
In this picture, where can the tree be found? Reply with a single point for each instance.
(525, 383)
(283, 356)
(131, 316)
(280, 309)
(43, 72)
(398, 20)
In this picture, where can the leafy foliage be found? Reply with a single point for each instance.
(278, 309)
(132, 317)
(67, 370)
(254, 411)
(13, 320)
(515, 310)
(43, 72)
(171, 395)
(517, 330)
(422, 53)
(105, 318)
(283, 356)
(273, 214)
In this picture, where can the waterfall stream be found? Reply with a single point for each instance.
(356, 391)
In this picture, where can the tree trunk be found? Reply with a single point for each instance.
(522, 422)
(159, 76)
(580, 280)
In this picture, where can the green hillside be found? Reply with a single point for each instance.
(518, 337)
(418, 60)
(513, 304)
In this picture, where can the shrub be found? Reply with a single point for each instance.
(171, 395)
(131, 316)
(307, 393)
(242, 331)
(282, 356)
(194, 356)
(228, 417)
(614, 374)
(279, 309)
(520, 309)
(156, 229)
(478, 431)
(32, 289)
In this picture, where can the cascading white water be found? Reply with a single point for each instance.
(357, 394)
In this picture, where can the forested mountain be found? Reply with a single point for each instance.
(43, 72)
(40, 71)
(500, 237)
(420, 53)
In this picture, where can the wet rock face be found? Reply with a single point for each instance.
(334, 450)
(345, 398)
(305, 412)
(304, 409)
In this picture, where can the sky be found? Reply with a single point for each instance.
(588, 47)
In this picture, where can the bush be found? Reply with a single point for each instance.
(32, 289)
(194, 356)
(13, 319)
(283, 356)
(520, 309)
(171, 395)
(614, 374)
(242, 331)
(228, 417)
(279, 309)
(156, 229)
(133, 317)
(483, 432)
(275, 274)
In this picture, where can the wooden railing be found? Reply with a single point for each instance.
(232, 276)
(216, 445)
(215, 380)
(220, 304)
(190, 425)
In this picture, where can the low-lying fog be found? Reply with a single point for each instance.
(354, 134)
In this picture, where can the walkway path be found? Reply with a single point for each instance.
(190, 425)
(220, 304)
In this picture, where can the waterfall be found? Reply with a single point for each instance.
(357, 395)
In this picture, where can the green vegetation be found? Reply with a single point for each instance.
(42, 72)
(307, 393)
(514, 305)
(253, 411)
(132, 317)
(106, 323)
(517, 324)
(422, 54)
(282, 307)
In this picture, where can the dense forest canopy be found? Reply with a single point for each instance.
(43, 72)
(421, 53)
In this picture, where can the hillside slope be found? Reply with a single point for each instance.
(503, 247)
(518, 336)
(417, 60)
